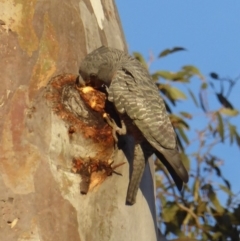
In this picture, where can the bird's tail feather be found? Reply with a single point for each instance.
(171, 160)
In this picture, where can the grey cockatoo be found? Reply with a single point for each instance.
(142, 110)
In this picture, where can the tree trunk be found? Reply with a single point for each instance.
(48, 133)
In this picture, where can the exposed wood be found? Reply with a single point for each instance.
(41, 135)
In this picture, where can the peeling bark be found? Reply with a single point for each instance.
(88, 142)
(52, 134)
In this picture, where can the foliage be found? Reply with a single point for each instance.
(196, 212)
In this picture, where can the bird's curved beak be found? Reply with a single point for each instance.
(80, 82)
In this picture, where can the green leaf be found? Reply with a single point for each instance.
(163, 199)
(140, 58)
(180, 76)
(220, 127)
(193, 98)
(185, 160)
(175, 93)
(170, 51)
(162, 74)
(178, 122)
(213, 198)
(204, 85)
(164, 90)
(229, 112)
(183, 135)
(173, 76)
(226, 189)
(169, 212)
(217, 236)
(232, 132)
(195, 187)
(202, 102)
(186, 114)
(193, 71)
(201, 208)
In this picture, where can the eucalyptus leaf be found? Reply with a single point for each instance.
(170, 51)
(229, 112)
(175, 93)
(140, 58)
(220, 126)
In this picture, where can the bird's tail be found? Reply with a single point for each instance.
(172, 161)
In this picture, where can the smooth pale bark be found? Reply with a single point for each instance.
(38, 200)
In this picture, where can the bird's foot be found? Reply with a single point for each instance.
(115, 128)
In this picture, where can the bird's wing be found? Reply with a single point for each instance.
(140, 100)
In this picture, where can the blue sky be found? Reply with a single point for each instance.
(209, 30)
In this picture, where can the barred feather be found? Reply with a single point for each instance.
(137, 100)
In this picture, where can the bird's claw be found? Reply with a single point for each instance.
(115, 128)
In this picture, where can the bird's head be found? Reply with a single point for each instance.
(95, 70)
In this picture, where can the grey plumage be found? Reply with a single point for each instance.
(137, 100)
